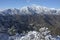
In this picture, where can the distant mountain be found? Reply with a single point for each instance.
(31, 10)
(30, 18)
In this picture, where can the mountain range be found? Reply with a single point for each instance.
(30, 18)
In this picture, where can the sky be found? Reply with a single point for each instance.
(20, 3)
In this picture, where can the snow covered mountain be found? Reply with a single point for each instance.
(29, 18)
(31, 10)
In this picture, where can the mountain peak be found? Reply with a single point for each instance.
(31, 10)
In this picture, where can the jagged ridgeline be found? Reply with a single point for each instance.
(29, 18)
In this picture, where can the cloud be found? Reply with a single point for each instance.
(2, 9)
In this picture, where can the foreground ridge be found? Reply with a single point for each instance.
(43, 34)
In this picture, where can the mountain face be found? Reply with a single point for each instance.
(30, 18)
